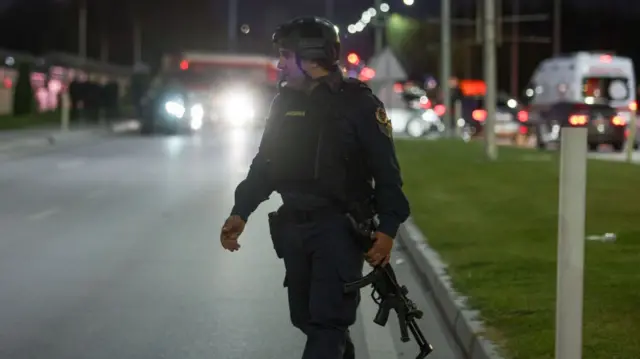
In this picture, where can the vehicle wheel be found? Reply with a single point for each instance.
(593, 146)
(618, 146)
(415, 128)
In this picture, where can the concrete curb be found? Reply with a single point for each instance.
(59, 137)
(464, 323)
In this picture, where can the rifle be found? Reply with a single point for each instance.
(390, 294)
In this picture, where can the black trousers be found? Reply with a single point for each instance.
(321, 255)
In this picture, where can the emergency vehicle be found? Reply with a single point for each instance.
(223, 89)
(583, 88)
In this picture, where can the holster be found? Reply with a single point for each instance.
(362, 224)
(276, 229)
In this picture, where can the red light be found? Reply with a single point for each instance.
(479, 115)
(578, 120)
(523, 116)
(184, 65)
(353, 58)
(367, 73)
(618, 121)
(398, 88)
(440, 110)
(8, 83)
(606, 58)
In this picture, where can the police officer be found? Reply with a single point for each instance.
(327, 145)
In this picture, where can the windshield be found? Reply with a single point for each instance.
(605, 89)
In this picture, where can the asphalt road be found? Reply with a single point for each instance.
(111, 250)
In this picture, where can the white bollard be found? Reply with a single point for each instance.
(571, 239)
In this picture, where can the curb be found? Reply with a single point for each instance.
(463, 322)
(54, 138)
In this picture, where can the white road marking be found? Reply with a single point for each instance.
(44, 214)
(379, 340)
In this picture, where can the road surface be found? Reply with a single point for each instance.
(111, 250)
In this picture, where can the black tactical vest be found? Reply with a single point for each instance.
(306, 147)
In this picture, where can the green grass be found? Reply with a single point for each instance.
(496, 224)
(10, 122)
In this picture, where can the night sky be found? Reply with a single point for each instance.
(47, 25)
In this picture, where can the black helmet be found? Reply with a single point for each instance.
(311, 38)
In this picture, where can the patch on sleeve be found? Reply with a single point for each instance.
(384, 123)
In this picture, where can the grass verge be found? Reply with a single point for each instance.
(45, 119)
(496, 224)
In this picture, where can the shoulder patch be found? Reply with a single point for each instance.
(384, 122)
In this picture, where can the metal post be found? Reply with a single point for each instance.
(571, 227)
(65, 109)
(490, 78)
(104, 48)
(82, 30)
(137, 42)
(379, 28)
(232, 33)
(445, 63)
(328, 9)
(515, 48)
(557, 27)
(631, 139)
(457, 114)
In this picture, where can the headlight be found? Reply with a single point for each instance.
(238, 108)
(175, 108)
(197, 114)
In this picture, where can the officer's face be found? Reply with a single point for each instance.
(289, 67)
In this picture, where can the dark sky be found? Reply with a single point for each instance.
(173, 25)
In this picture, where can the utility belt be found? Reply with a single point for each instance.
(360, 217)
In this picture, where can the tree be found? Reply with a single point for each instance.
(23, 98)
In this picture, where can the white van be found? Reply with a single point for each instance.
(584, 88)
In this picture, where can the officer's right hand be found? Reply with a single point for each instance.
(231, 230)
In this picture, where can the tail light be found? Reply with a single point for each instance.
(618, 121)
(523, 116)
(425, 103)
(440, 110)
(633, 106)
(523, 130)
(479, 115)
(578, 120)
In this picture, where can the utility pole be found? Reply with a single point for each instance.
(328, 9)
(515, 51)
(82, 30)
(557, 26)
(445, 64)
(378, 28)
(137, 41)
(490, 78)
(232, 31)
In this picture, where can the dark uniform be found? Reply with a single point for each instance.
(322, 149)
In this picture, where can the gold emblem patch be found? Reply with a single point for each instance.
(384, 123)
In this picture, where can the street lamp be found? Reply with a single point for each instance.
(408, 2)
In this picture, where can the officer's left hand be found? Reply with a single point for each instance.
(380, 252)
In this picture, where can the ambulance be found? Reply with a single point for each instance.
(592, 89)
